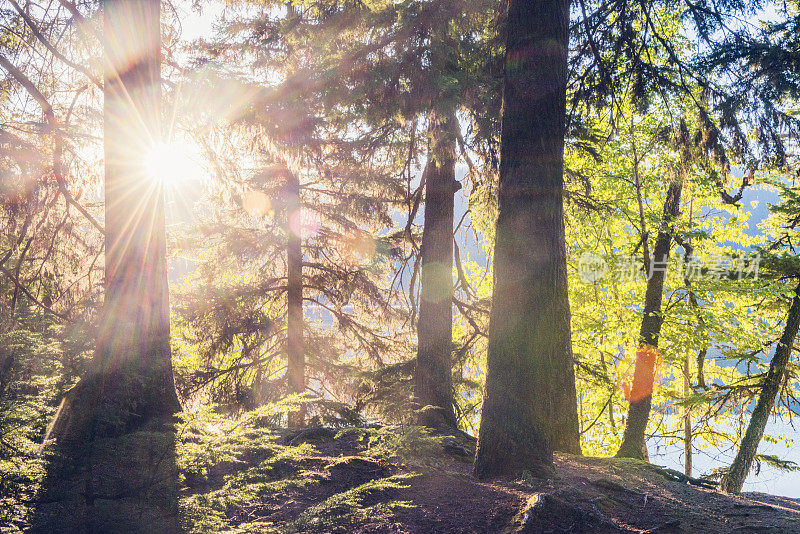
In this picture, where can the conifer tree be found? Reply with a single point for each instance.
(401, 73)
(530, 384)
(433, 385)
(132, 360)
(764, 70)
(319, 194)
(129, 387)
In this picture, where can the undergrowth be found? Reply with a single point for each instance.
(237, 472)
(405, 444)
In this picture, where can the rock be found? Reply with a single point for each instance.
(562, 511)
(126, 483)
(452, 446)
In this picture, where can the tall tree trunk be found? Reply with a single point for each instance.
(114, 467)
(295, 350)
(734, 480)
(687, 363)
(132, 368)
(433, 382)
(530, 404)
(295, 353)
(687, 420)
(135, 328)
(641, 392)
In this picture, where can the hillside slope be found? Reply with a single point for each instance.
(393, 481)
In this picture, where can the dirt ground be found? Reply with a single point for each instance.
(591, 495)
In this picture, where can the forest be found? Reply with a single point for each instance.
(399, 266)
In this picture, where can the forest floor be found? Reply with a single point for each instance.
(339, 484)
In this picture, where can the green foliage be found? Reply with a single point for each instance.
(404, 443)
(208, 439)
(606, 314)
(228, 464)
(343, 509)
(30, 385)
(776, 463)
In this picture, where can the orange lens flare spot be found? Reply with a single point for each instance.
(645, 371)
(257, 204)
(363, 247)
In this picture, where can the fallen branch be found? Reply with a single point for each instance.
(677, 476)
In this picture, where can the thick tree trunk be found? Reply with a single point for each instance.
(734, 480)
(134, 333)
(114, 462)
(295, 353)
(433, 383)
(131, 373)
(641, 392)
(530, 405)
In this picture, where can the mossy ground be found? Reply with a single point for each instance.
(241, 475)
(403, 479)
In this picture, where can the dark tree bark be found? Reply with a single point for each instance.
(641, 392)
(433, 382)
(295, 354)
(131, 373)
(701, 358)
(530, 405)
(733, 481)
(687, 420)
(114, 462)
(135, 329)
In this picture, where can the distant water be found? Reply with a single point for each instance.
(768, 480)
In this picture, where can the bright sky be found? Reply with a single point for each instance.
(194, 24)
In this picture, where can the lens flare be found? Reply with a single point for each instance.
(646, 368)
(174, 163)
(305, 224)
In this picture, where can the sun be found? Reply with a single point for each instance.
(174, 163)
